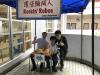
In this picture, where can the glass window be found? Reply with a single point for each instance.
(49, 21)
(6, 53)
(4, 41)
(17, 43)
(27, 40)
(18, 35)
(68, 26)
(5, 26)
(49, 26)
(27, 36)
(13, 13)
(4, 48)
(3, 11)
(17, 26)
(27, 25)
(4, 38)
(18, 48)
(17, 38)
(95, 26)
(59, 25)
(71, 26)
(27, 45)
(1, 57)
(27, 28)
(86, 26)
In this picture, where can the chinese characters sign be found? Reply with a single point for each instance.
(38, 9)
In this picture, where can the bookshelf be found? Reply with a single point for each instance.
(4, 39)
(20, 33)
(27, 39)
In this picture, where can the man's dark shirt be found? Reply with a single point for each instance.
(63, 49)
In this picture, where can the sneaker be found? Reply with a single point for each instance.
(61, 68)
(33, 69)
(54, 69)
(41, 70)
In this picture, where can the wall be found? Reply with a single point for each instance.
(74, 47)
(74, 42)
(97, 50)
(40, 27)
(86, 19)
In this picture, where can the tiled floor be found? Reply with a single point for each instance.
(70, 68)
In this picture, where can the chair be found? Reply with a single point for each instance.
(39, 58)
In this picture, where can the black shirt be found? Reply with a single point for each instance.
(63, 49)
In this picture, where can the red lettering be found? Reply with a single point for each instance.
(37, 3)
(45, 10)
(43, 3)
(30, 11)
(32, 3)
(26, 4)
(49, 3)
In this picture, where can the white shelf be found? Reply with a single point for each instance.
(5, 33)
(20, 20)
(27, 31)
(4, 19)
(28, 21)
(14, 32)
(17, 20)
(17, 32)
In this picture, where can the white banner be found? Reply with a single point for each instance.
(0, 28)
(38, 9)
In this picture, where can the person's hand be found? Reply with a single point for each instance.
(62, 44)
(35, 37)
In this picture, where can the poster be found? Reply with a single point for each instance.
(38, 9)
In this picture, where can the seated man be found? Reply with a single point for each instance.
(54, 52)
(43, 45)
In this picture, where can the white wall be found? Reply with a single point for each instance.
(74, 43)
(74, 47)
(40, 27)
(97, 50)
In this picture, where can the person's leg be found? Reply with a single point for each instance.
(47, 58)
(55, 61)
(61, 62)
(65, 54)
(61, 58)
(33, 63)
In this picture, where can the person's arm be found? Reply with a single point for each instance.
(65, 42)
(35, 40)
